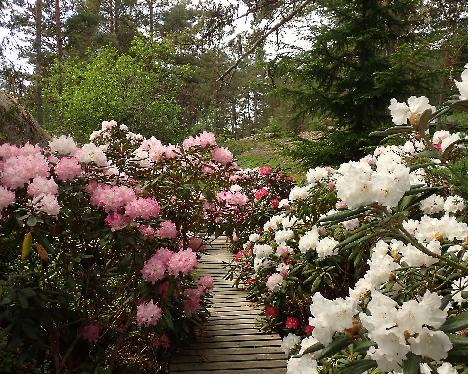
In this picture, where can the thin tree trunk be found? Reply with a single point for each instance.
(151, 16)
(38, 51)
(58, 30)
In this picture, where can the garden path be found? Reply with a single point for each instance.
(229, 343)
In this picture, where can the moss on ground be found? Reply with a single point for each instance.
(265, 149)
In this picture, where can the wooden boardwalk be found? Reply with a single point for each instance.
(230, 343)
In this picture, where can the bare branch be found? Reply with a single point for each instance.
(261, 39)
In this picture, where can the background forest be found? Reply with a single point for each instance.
(173, 68)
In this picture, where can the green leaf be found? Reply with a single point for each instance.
(458, 341)
(411, 364)
(363, 346)
(313, 348)
(357, 367)
(458, 356)
(340, 216)
(456, 323)
(340, 343)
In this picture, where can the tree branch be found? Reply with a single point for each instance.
(254, 46)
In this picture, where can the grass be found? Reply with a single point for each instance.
(265, 149)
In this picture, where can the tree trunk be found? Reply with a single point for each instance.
(16, 125)
(38, 51)
(58, 30)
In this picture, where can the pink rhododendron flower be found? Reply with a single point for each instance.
(164, 288)
(308, 329)
(6, 197)
(90, 332)
(164, 255)
(271, 311)
(41, 185)
(206, 282)
(292, 323)
(147, 231)
(47, 204)
(167, 230)
(67, 168)
(261, 193)
(154, 269)
(161, 341)
(341, 205)
(196, 244)
(116, 221)
(222, 155)
(265, 170)
(206, 139)
(8, 150)
(148, 314)
(192, 304)
(145, 208)
(182, 262)
(275, 203)
(239, 255)
(111, 197)
(19, 170)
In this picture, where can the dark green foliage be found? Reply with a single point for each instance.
(333, 148)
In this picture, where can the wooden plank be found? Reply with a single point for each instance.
(230, 358)
(239, 371)
(230, 365)
(232, 351)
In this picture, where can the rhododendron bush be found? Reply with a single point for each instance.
(366, 270)
(99, 248)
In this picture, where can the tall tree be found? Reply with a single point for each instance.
(39, 62)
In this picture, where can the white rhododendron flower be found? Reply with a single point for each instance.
(454, 204)
(309, 240)
(274, 282)
(63, 145)
(302, 365)
(317, 174)
(326, 247)
(290, 342)
(91, 153)
(330, 316)
(463, 84)
(299, 193)
(433, 204)
(254, 237)
(401, 112)
(262, 250)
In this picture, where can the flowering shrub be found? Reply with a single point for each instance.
(367, 268)
(109, 233)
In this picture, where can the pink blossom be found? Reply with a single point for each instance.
(6, 198)
(192, 304)
(90, 332)
(206, 282)
(111, 197)
(116, 221)
(67, 168)
(19, 170)
(275, 203)
(147, 231)
(189, 143)
(41, 185)
(166, 230)
(265, 170)
(8, 150)
(156, 150)
(308, 329)
(153, 269)
(261, 193)
(206, 139)
(271, 311)
(148, 314)
(292, 323)
(222, 155)
(196, 243)
(161, 341)
(164, 255)
(182, 262)
(145, 208)
(46, 204)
